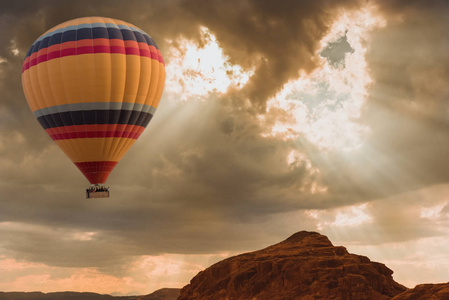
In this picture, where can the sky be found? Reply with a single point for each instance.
(277, 117)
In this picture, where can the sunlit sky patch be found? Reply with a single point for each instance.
(349, 216)
(325, 105)
(432, 212)
(195, 70)
(14, 50)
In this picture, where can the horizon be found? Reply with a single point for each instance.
(326, 116)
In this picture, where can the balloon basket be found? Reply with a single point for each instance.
(97, 191)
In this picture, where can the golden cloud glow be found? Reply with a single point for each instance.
(349, 216)
(352, 216)
(431, 212)
(84, 236)
(30, 277)
(144, 275)
(194, 70)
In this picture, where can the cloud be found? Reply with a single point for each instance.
(280, 40)
(405, 112)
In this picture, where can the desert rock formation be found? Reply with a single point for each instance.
(305, 266)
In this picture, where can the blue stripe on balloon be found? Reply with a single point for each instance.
(94, 106)
(91, 31)
(90, 117)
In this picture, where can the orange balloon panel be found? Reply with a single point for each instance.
(94, 84)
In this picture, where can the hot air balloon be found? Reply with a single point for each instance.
(94, 84)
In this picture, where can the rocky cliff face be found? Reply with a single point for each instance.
(305, 266)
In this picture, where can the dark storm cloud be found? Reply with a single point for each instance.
(278, 38)
(415, 7)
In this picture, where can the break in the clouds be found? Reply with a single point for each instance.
(276, 117)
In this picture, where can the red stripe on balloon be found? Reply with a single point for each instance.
(92, 47)
(96, 172)
(95, 131)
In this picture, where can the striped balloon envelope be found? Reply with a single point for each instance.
(94, 84)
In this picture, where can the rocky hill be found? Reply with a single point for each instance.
(162, 294)
(58, 296)
(305, 266)
(426, 292)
